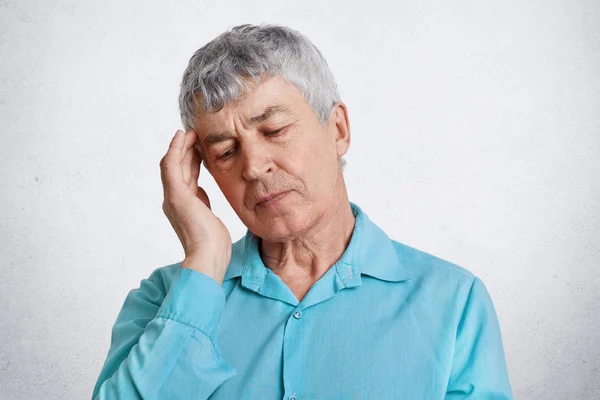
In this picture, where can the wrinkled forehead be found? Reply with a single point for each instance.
(274, 97)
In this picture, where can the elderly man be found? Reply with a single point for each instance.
(315, 301)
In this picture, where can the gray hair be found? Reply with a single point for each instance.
(220, 70)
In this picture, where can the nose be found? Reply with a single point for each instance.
(256, 160)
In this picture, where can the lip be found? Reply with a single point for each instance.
(272, 198)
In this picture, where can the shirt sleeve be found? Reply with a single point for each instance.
(163, 346)
(479, 366)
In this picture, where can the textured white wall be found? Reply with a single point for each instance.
(476, 137)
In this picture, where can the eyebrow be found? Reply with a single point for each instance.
(269, 112)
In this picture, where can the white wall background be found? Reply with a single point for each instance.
(476, 137)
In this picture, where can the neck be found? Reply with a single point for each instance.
(302, 261)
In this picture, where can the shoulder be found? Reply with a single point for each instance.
(441, 286)
(421, 262)
(429, 271)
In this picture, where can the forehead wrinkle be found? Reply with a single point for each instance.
(269, 112)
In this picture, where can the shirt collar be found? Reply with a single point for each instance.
(370, 252)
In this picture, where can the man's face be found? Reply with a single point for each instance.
(271, 141)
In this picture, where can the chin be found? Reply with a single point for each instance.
(279, 229)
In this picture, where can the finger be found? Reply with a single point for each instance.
(197, 163)
(192, 172)
(189, 140)
(190, 158)
(195, 166)
(170, 165)
(199, 148)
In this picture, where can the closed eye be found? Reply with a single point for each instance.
(274, 132)
(226, 154)
(230, 152)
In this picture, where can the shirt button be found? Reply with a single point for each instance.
(297, 315)
(292, 397)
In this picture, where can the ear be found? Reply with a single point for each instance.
(339, 122)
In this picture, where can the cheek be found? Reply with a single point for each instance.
(311, 163)
(231, 189)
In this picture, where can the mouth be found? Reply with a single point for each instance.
(272, 199)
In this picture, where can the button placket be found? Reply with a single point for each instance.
(292, 355)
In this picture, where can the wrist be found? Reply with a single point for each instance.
(202, 266)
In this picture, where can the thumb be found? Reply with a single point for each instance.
(201, 194)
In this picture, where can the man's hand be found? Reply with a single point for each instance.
(205, 239)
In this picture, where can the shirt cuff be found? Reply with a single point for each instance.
(194, 299)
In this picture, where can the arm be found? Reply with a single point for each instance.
(479, 366)
(163, 346)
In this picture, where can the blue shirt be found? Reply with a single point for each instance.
(386, 321)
